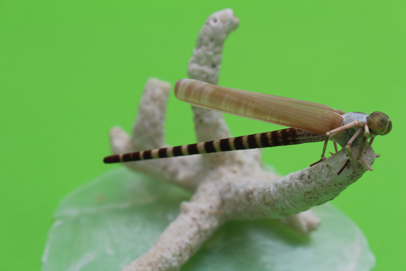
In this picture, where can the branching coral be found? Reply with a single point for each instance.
(225, 186)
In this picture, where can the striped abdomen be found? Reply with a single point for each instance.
(290, 136)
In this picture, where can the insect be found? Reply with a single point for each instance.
(310, 122)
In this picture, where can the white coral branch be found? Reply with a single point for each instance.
(148, 133)
(226, 186)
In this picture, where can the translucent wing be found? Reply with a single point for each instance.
(312, 117)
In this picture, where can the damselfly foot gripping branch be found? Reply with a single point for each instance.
(310, 122)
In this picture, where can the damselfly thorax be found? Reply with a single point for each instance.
(310, 122)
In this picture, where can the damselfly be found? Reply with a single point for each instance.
(310, 122)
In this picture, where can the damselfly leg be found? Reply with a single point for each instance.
(341, 129)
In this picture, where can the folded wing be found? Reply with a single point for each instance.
(312, 117)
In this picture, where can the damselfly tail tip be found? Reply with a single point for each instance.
(111, 159)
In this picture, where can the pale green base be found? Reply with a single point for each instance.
(115, 218)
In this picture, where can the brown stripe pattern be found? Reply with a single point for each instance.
(290, 136)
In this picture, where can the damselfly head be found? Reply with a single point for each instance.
(379, 123)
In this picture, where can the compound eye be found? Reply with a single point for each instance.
(389, 128)
(379, 123)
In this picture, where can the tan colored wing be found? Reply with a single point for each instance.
(312, 117)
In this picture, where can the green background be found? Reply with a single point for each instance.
(70, 70)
